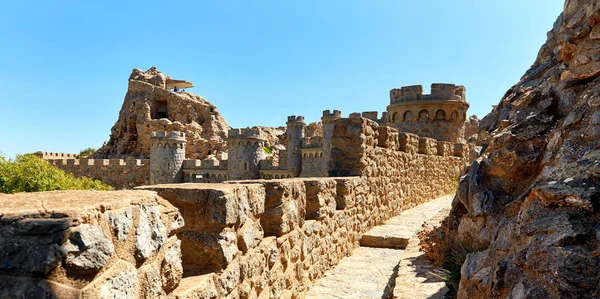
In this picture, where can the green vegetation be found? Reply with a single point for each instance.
(29, 173)
(268, 149)
(86, 152)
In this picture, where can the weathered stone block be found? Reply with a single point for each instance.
(207, 250)
(68, 236)
(461, 150)
(211, 207)
(284, 207)
(388, 137)
(320, 198)
(427, 146)
(408, 143)
(445, 148)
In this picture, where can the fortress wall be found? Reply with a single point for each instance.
(272, 238)
(267, 238)
(88, 244)
(313, 163)
(53, 155)
(403, 169)
(118, 173)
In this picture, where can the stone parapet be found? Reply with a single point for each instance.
(53, 155)
(246, 133)
(88, 244)
(118, 173)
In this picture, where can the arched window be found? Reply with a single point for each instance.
(423, 116)
(408, 116)
(246, 166)
(440, 115)
(394, 116)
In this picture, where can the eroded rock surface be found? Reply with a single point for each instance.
(532, 201)
(150, 106)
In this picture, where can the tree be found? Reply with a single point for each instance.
(29, 173)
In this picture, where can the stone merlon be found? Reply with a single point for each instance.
(439, 92)
(244, 133)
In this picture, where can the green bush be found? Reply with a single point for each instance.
(268, 149)
(29, 173)
(86, 152)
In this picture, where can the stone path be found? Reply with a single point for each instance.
(372, 269)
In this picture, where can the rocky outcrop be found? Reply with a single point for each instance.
(472, 128)
(150, 106)
(532, 200)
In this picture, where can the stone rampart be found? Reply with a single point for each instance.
(118, 173)
(53, 155)
(87, 244)
(272, 238)
(403, 169)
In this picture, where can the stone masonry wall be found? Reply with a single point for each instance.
(272, 238)
(402, 169)
(118, 173)
(87, 244)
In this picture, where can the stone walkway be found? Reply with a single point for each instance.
(373, 269)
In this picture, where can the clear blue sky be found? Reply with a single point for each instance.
(64, 65)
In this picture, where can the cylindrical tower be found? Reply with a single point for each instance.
(328, 121)
(167, 152)
(295, 133)
(440, 115)
(245, 150)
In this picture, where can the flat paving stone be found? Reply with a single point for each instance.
(367, 273)
(396, 232)
(373, 269)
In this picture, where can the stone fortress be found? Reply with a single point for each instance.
(270, 227)
(437, 129)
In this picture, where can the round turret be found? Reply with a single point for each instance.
(328, 121)
(167, 152)
(245, 150)
(295, 133)
(440, 115)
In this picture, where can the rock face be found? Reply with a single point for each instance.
(532, 200)
(472, 128)
(150, 106)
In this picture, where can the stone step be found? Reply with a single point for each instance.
(372, 269)
(396, 232)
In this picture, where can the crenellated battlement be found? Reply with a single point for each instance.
(439, 92)
(312, 142)
(294, 118)
(335, 113)
(167, 135)
(54, 155)
(245, 133)
(118, 173)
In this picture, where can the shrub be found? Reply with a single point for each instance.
(268, 149)
(29, 173)
(86, 152)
